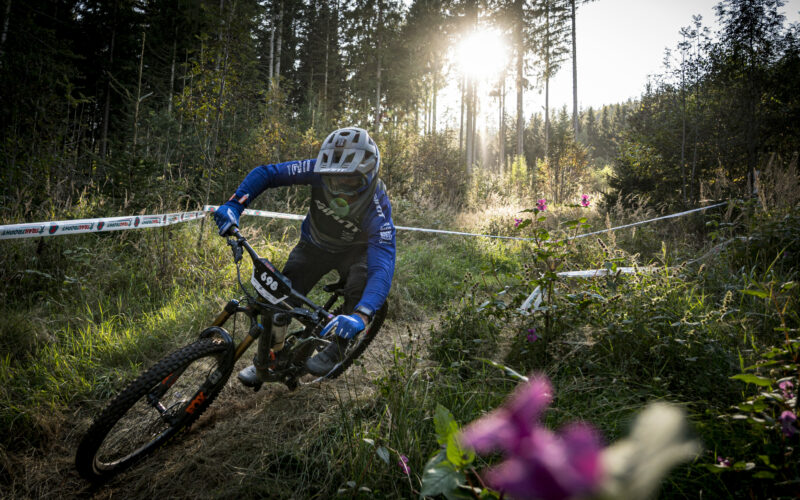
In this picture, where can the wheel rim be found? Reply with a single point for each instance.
(156, 415)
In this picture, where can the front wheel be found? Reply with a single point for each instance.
(152, 409)
(359, 343)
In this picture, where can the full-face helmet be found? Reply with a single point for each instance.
(349, 161)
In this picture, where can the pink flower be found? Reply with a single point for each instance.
(539, 464)
(505, 427)
(403, 463)
(585, 200)
(516, 222)
(551, 466)
(788, 420)
(723, 462)
(786, 387)
(541, 205)
(532, 337)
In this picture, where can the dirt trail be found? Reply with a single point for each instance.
(241, 433)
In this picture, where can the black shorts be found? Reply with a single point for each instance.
(307, 264)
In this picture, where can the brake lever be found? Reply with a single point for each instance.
(237, 250)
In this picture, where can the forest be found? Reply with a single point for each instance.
(133, 107)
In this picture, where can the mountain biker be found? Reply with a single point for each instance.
(348, 228)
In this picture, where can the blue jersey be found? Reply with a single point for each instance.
(368, 223)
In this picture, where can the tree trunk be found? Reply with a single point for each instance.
(138, 97)
(547, 82)
(435, 91)
(470, 132)
(502, 125)
(5, 32)
(272, 49)
(574, 75)
(211, 155)
(520, 78)
(461, 121)
(377, 125)
(107, 107)
(172, 72)
(280, 42)
(683, 128)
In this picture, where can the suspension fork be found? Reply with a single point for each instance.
(230, 308)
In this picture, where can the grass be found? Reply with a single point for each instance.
(85, 314)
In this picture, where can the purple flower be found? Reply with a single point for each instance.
(551, 466)
(532, 337)
(541, 205)
(723, 462)
(539, 464)
(786, 387)
(507, 426)
(517, 222)
(788, 420)
(403, 463)
(585, 200)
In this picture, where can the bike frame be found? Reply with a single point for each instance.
(311, 316)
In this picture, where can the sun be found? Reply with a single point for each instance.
(481, 55)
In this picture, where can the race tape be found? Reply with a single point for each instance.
(278, 215)
(57, 228)
(534, 300)
(670, 216)
(78, 226)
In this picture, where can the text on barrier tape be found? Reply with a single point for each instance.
(78, 226)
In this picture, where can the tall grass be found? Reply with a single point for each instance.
(84, 314)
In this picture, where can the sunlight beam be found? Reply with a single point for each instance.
(481, 55)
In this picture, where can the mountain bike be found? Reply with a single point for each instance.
(171, 395)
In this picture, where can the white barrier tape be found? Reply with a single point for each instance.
(648, 221)
(78, 226)
(278, 215)
(536, 297)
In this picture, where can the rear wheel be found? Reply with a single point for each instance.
(161, 402)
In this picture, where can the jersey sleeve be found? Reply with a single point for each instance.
(274, 175)
(381, 252)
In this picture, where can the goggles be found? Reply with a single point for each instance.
(346, 185)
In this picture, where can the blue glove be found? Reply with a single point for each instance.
(344, 326)
(227, 216)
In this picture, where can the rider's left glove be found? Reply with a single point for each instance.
(227, 216)
(344, 326)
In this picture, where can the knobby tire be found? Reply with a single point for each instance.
(153, 428)
(361, 344)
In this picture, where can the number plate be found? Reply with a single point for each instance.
(269, 283)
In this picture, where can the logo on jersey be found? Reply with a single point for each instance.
(346, 223)
(378, 206)
(300, 167)
(387, 232)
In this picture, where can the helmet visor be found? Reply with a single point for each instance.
(347, 185)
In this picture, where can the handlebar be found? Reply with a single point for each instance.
(238, 242)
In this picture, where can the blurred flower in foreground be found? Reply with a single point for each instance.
(585, 200)
(541, 205)
(788, 420)
(541, 464)
(659, 440)
(517, 222)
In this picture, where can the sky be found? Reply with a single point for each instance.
(619, 44)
